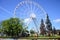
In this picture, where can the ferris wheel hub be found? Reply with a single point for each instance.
(32, 15)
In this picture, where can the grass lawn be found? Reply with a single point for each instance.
(40, 37)
(44, 37)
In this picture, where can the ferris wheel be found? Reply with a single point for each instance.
(29, 10)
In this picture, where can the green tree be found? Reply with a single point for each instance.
(48, 25)
(32, 31)
(0, 27)
(42, 27)
(54, 31)
(12, 26)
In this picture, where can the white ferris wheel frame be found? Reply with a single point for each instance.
(30, 2)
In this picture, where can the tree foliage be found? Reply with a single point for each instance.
(54, 30)
(42, 27)
(12, 26)
(0, 28)
(48, 23)
(32, 31)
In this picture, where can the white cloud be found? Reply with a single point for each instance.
(56, 20)
(27, 20)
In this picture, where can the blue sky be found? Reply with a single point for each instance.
(52, 8)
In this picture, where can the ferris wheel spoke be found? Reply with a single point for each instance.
(31, 6)
(27, 9)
